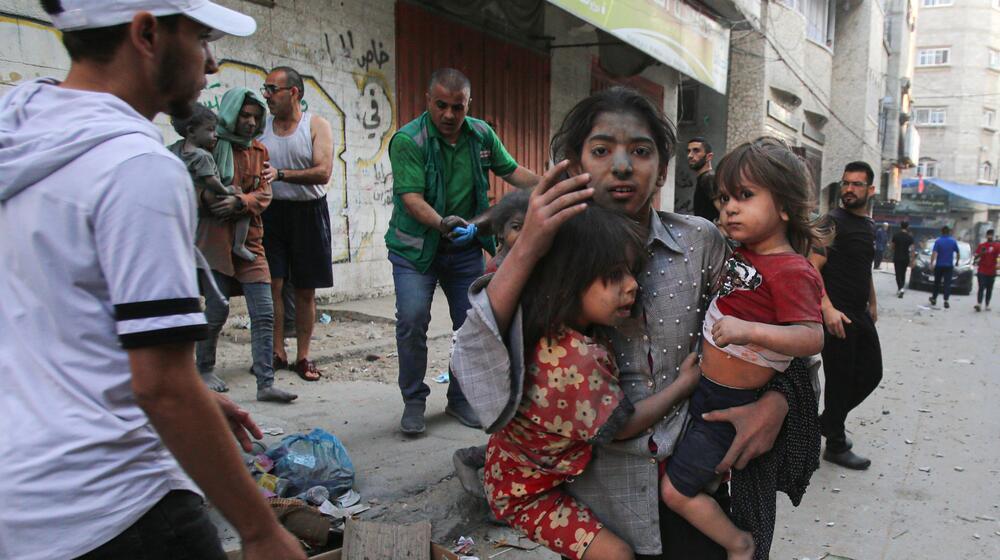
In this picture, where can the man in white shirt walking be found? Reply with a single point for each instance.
(110, 437)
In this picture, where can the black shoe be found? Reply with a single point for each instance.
(463, 413)
(467, 463)
(412, 422)
(933, 301)
(946, 306)
(839, 444)
(847, 459)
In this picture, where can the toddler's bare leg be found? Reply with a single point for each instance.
(242, 227)
(705, 514)
(608, 545)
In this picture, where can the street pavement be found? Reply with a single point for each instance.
(931, 430)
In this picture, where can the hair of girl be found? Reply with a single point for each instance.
(769, 163)
(200, 114)
(512, 204)
(597, 244)
(567, 143)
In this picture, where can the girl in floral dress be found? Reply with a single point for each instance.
(572, 399)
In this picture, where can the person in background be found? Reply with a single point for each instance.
(881, 242)
(297, 236)
(852, 353)
(944, 258)
(987, 254)
(699, 159)
(440, 164)
(902, 255)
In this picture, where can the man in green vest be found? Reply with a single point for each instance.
(437, 232)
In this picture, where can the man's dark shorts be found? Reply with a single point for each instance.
(704, 444)
(297, 242)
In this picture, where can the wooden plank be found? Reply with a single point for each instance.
(370, 540)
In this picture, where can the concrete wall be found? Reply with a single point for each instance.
(329, 43)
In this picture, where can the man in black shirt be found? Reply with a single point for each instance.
(699, 154)
(902, 255)
(852, 357)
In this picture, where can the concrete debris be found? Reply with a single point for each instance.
(959, 469)
(908, 441)
(924, 469)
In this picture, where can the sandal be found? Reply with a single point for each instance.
(307, 370)
(276, 363)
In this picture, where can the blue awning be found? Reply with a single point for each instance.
(984, 194)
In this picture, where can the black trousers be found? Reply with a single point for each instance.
(985, 287)
(852, 367)
(942, 274)
(901, 267)
(177, 528)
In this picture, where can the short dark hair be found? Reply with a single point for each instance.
(292, 78)
(99, 44)
(597, 244)
(904, 224)
(945, 230)
(451, 79)
(856, 166)
(989, 231)
(567, 142)
(512, 204)
(704, 143)
(200, 114)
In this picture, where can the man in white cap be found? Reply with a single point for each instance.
(109, 436)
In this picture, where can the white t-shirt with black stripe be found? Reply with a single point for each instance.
(98, 257)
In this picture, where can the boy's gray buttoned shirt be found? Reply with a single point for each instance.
(621, 483)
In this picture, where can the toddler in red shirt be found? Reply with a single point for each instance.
(766, 312)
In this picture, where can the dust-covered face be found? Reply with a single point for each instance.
(203, 135)
(249, 120)
(621, 157)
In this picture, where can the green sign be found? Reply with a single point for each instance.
(670, 31)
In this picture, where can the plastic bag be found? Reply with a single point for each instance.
(314, 459)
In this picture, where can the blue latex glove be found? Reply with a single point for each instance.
(463, 235)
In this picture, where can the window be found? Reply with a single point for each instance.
(930, 116)
(819, 18)
(986, 171)
(933, 57)
(989, 118)
(994, 59)
(936, 3)
(927, 167)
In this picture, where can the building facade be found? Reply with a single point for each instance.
(956, 88)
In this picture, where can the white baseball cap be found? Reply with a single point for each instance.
(92, 14)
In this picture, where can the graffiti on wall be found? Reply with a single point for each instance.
(358, 104)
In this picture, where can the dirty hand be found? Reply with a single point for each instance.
(730, 330)
(757, 425)
(553, 201)
(835, 321)
(225, 207)
(278, 545)
(239, 422)
(270, 174)
(690, 373)
(449, 223)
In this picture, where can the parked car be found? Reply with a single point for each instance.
(922, 275)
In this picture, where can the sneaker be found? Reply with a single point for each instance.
(274, 394)
(977, 307)
(463, 413)
(933, 301)
(946, 306)
(412, 422)
(899, 294)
